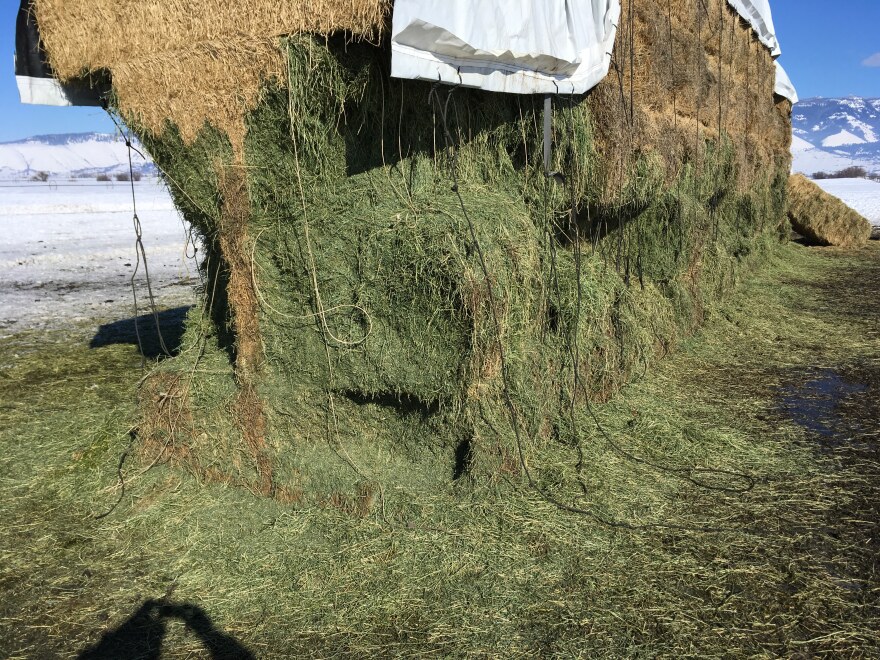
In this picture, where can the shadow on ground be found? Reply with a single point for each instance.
(142, 331)
(141, 636)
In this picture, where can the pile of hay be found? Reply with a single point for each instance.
(362, 325)
(822, 218)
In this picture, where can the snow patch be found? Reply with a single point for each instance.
(841, 139)
(853, 102)
(799, 145)
(68, 252)
(811, 160)
(866, 129)
(69, 155)
(862, 195)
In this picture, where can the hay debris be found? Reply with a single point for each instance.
(822, 218)
(494, 571)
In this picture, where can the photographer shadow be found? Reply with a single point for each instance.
(141, 636)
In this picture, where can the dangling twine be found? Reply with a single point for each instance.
(321, 314)
(140, 252)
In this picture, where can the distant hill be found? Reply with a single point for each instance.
(69, 155)
(831, 134)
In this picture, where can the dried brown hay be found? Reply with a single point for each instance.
(681, 72)
(167, 432)
(166, 420)
(251, 420)
(210, 83)
(235, 248)
(191, 62)
(822, 218)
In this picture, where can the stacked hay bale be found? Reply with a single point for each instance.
(385, 326)
(822, 218)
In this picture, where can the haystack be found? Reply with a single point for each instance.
(396, 296)
(822, 218)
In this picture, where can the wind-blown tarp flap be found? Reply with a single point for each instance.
(527, 46)
(514, 46)
(37, 84)
(784, 86)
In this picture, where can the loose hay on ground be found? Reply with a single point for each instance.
(492, 571)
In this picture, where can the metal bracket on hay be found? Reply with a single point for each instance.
(558, 177)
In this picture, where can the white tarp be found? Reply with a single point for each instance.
(43, 91)
(33, 75)
(784, 86)
(527, 46)
(514, 46)
(757, 14)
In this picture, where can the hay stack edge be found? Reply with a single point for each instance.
(392, 284)
(823, 219)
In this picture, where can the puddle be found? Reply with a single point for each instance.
(839, 409)
(815, 402)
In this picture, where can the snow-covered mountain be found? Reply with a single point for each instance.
(831, 134)
(69, 155)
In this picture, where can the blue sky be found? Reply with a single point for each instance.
(20, 121)
(824, 46)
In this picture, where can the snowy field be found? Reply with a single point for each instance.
(68, 253)
(808, 159)
(863, 195)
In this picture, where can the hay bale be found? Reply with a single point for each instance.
(345, 293)
(191, 62)
(822, 218)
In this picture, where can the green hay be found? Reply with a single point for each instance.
(488, 571)
(350, 189)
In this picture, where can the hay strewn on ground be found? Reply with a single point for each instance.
(484, 571)
(822, 218)
(353, 278)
